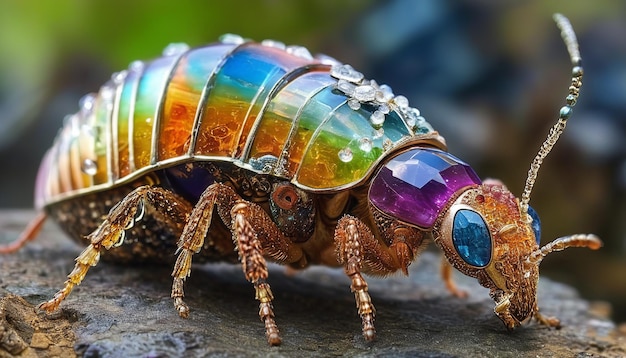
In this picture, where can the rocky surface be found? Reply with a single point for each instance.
(127, 311)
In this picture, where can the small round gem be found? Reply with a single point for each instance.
(346, 87)
(565, 112)
(577, 71)
(346, 72)
(231, 39)
(345, 155)
(471, 238)
(378, 133)
(365, 144)
(119, 77)
(377, 119)
(89, 167)
(387, 144)
(87, 101)
(107, 92)
(411, 116)
(274, 44)
(402, 102)
(365, 93)
(86, 104)
(354, 104)
(136, 66)
(571, 99)
(385, 94)
(175, 49)
(300, 51)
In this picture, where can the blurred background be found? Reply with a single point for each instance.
(489, 75)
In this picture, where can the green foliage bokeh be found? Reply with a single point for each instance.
(36, 33)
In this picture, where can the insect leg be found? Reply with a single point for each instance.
(30, 233)
(111, 232)
(192, 238)
(546, 321)
(446, 275)
(502, 308)
(354, 243)
(254, 267)
(254, 234)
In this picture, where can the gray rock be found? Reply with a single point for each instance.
(126, 311)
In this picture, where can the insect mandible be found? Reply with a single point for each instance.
(305, 162)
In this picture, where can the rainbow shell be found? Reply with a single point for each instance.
(264, 107)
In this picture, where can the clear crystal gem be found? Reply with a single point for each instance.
(345, 155)
(136, 66)
(107, 92)
(377, 119)
(86, 104)
(384, 94)
(387, 144)
(365, 144)
(119, 77)
(346, 72)
(346, 87)
(300, 51)
(274, 43)
(175, 49)
(411, 116)
(354, 104)
(89, 167)
(232, 39)
(402, 102)
(365, 93)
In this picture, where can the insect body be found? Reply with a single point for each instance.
(303, 160)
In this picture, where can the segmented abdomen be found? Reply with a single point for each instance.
(259, 106)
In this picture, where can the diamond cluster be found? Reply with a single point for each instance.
(361, 91)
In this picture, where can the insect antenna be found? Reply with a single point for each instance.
(569, 37)
(579, 240)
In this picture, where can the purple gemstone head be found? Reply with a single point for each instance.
(414, 186)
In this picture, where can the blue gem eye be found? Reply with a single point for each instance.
(471, 238)
(536, 224)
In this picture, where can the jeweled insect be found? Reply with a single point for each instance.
(306, 163)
